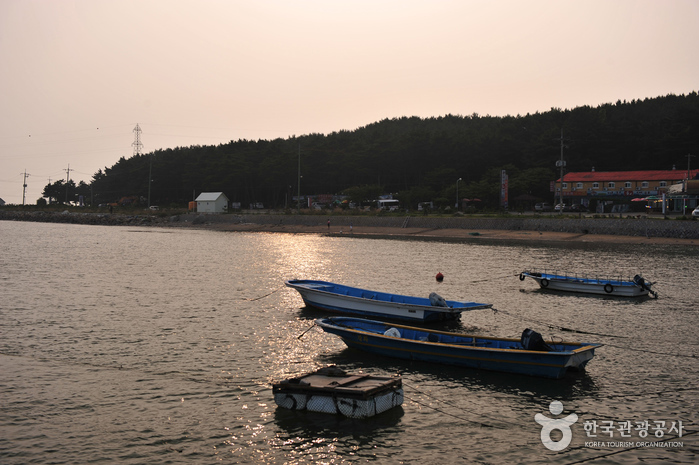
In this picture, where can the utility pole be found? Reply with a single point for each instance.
(689, 156)
(298, 197)
(137, 147)
(150, 176)
(24, 186)
(561, 164)
(67, 180)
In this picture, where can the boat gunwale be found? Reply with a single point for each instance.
(388, 383)
(575, 280)
(583, 346)
(471, 356)
(431, 308)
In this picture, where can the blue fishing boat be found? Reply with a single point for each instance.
(635, 287)
(339, 298)
(530, 355)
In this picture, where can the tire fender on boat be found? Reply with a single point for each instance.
(521, 276)
(544, 282)
(608, 288)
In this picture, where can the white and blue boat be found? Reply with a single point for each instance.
(635, 287)
(339, 298)
(529, 355)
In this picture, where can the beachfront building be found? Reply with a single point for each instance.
(605, 191)
(212, 202)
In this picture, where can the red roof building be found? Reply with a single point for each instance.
(620, 184)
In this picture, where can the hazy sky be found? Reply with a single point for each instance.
(76, 76)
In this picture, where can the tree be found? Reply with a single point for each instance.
(362, 194)
(402, 154)
(85, 191)
(55, 191)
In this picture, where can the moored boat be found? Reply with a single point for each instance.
(339, 298)
(529, 355)
(635, 287)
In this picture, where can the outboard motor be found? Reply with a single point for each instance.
(437, 300)
(531, 340)
(640, 282)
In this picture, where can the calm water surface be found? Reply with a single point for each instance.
(146, 345)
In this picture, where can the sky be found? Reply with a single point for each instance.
(77, 76)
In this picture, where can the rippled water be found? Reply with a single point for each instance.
(146, 345)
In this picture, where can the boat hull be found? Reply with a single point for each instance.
(495, 354)
(609, 287)
(338, 298)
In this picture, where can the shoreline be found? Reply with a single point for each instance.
(443, 234)
(610, 231)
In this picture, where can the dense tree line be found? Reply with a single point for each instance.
(418, 159)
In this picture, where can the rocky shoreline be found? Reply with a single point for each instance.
(626, 230)
(103, 219)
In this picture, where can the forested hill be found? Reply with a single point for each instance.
(420, 159)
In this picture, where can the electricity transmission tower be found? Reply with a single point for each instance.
(24, 186)
(137, 145)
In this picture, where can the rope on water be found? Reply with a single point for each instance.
(552, 326)
(447, 403)
(262, 297)
(653, 351)
(654, 393)
(563, 328)
(493, 278)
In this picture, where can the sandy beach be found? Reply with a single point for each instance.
(431, 230)
(442, 234)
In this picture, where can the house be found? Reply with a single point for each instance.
(212, 202)
(619, 187)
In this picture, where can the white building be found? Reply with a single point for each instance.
(212, 202)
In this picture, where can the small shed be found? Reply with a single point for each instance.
(212, 202)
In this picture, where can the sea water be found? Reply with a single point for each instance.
(155, 345)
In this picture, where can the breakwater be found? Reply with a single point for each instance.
(81, 218)
(627, 226)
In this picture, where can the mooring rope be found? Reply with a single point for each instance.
(451, 405)
(563, 328)
(493, 278)
(653, 351)
(262, 297)
(552, 326)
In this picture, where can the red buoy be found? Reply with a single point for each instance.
(439, 277)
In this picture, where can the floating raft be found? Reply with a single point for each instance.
(331, 390)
